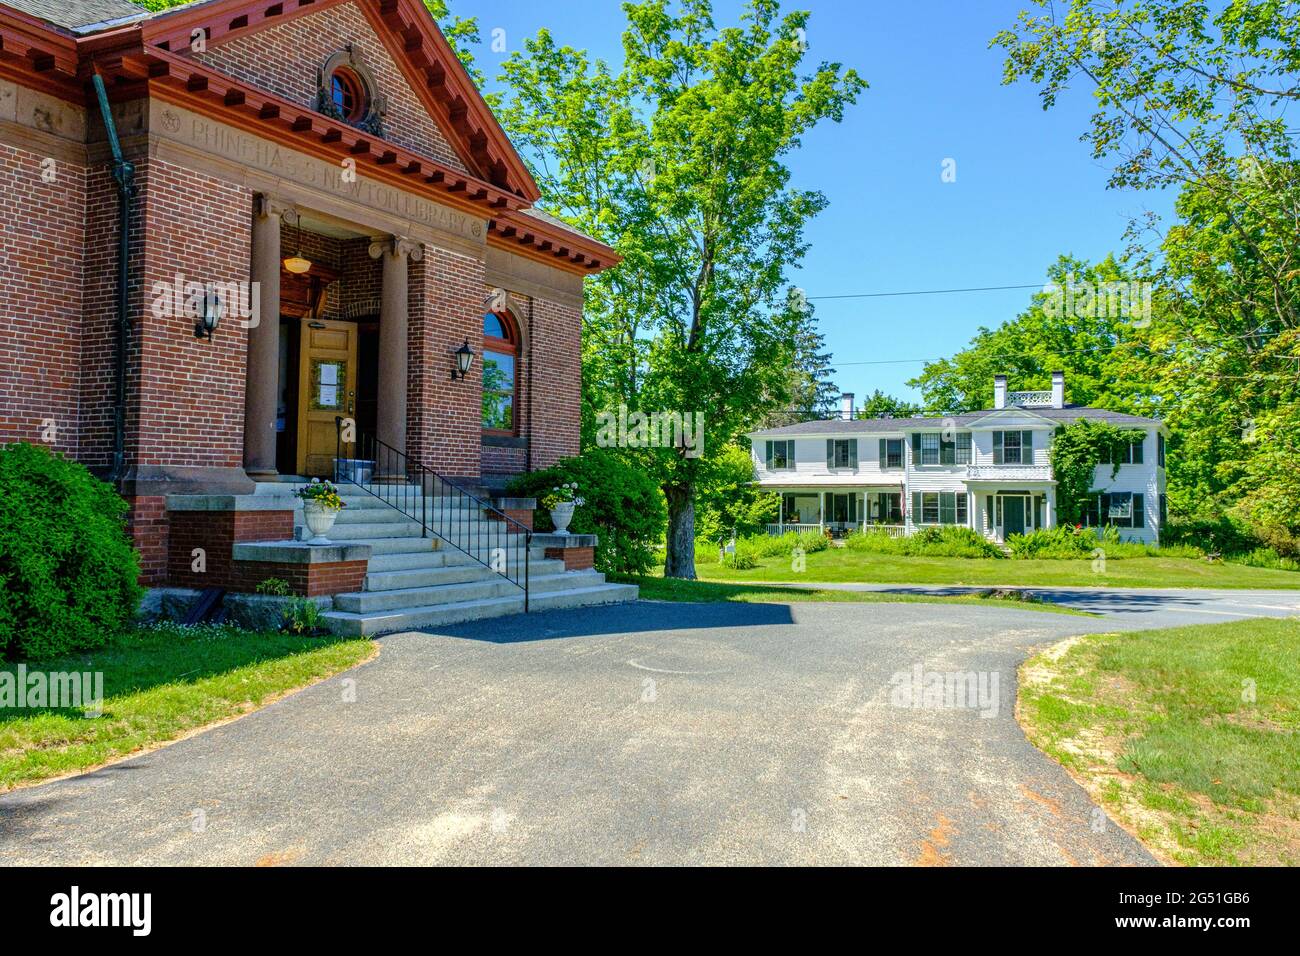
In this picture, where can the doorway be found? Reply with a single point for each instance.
(327, 388)
(1013, 515)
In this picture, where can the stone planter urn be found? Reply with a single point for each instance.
(561, 515)
(320, 519)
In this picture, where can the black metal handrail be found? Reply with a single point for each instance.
(410, 487)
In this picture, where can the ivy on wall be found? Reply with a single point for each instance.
(1077, 450)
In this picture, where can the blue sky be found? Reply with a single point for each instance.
(1026, 189)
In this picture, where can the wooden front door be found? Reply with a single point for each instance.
(327, 383)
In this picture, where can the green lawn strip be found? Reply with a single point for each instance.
(837, 565)
(160, 684)
(658, 588)
(1160, 726)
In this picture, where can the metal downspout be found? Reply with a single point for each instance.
(124, 178)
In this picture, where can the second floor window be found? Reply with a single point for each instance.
(1132, 455)
(891, 453)
(779, 455)
(1013, 448)
(931, 448)
(841, 453)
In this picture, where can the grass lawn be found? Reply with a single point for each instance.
(160, 684)
(841, 564)
(658, 588)
(1190, 736)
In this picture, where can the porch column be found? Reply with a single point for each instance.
(393, 381)
(262, 376)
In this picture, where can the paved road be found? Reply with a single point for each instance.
(1129, 607)
(646, 733)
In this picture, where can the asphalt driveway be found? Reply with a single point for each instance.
(637, 734)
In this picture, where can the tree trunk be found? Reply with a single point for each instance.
(679, 562)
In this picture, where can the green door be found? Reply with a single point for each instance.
(1013, 516)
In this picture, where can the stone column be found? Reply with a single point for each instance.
(262, 379)
(393, 381)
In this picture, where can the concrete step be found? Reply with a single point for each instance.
(448, 574)
(437, 615)
(400, 545)
(494, 585)
(374, 529)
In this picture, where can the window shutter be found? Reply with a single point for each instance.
(916, 507)
(947, 453)
(1026, 448)
(997, 448)
(830, 453)
(916, 449)
(1137, 452)
(947, 507)
(767, 461)
(884, 455)
(853, 453)
(1139, 512)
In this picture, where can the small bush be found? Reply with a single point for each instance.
(304, 616)
(1266, 558)
(624, 507)
(942, 541)
(278, 587)
(1063, 542)
(1225, 535)
(68, 573)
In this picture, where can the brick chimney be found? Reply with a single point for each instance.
(999, 391)
(1058, 389)
(846, 406)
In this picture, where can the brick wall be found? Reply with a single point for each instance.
(444, 418)
(190, 396)
(216, 533)
(146, 522)
(557, 381)
(285, 58)
(42, 237)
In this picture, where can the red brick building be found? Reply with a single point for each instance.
(323, 178)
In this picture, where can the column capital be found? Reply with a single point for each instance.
(397, 246)
(265, 205)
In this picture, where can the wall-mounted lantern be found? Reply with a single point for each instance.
(464, 359)
(210, 309)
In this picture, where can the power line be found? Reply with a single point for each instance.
(882, 295)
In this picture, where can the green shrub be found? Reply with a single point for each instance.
(950, 541)
(1266, 558)
(941, 541)
(624, 507)
(1062, 542)
(304, 616)
(1224, 534)
(68, 573)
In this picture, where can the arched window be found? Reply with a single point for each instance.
(500, 381)
(347, 93)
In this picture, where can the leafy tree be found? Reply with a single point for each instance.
(813, 393)
(729, 501)
(880, 405)
(678, 160)
(1195, 96)
(1065, 329)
